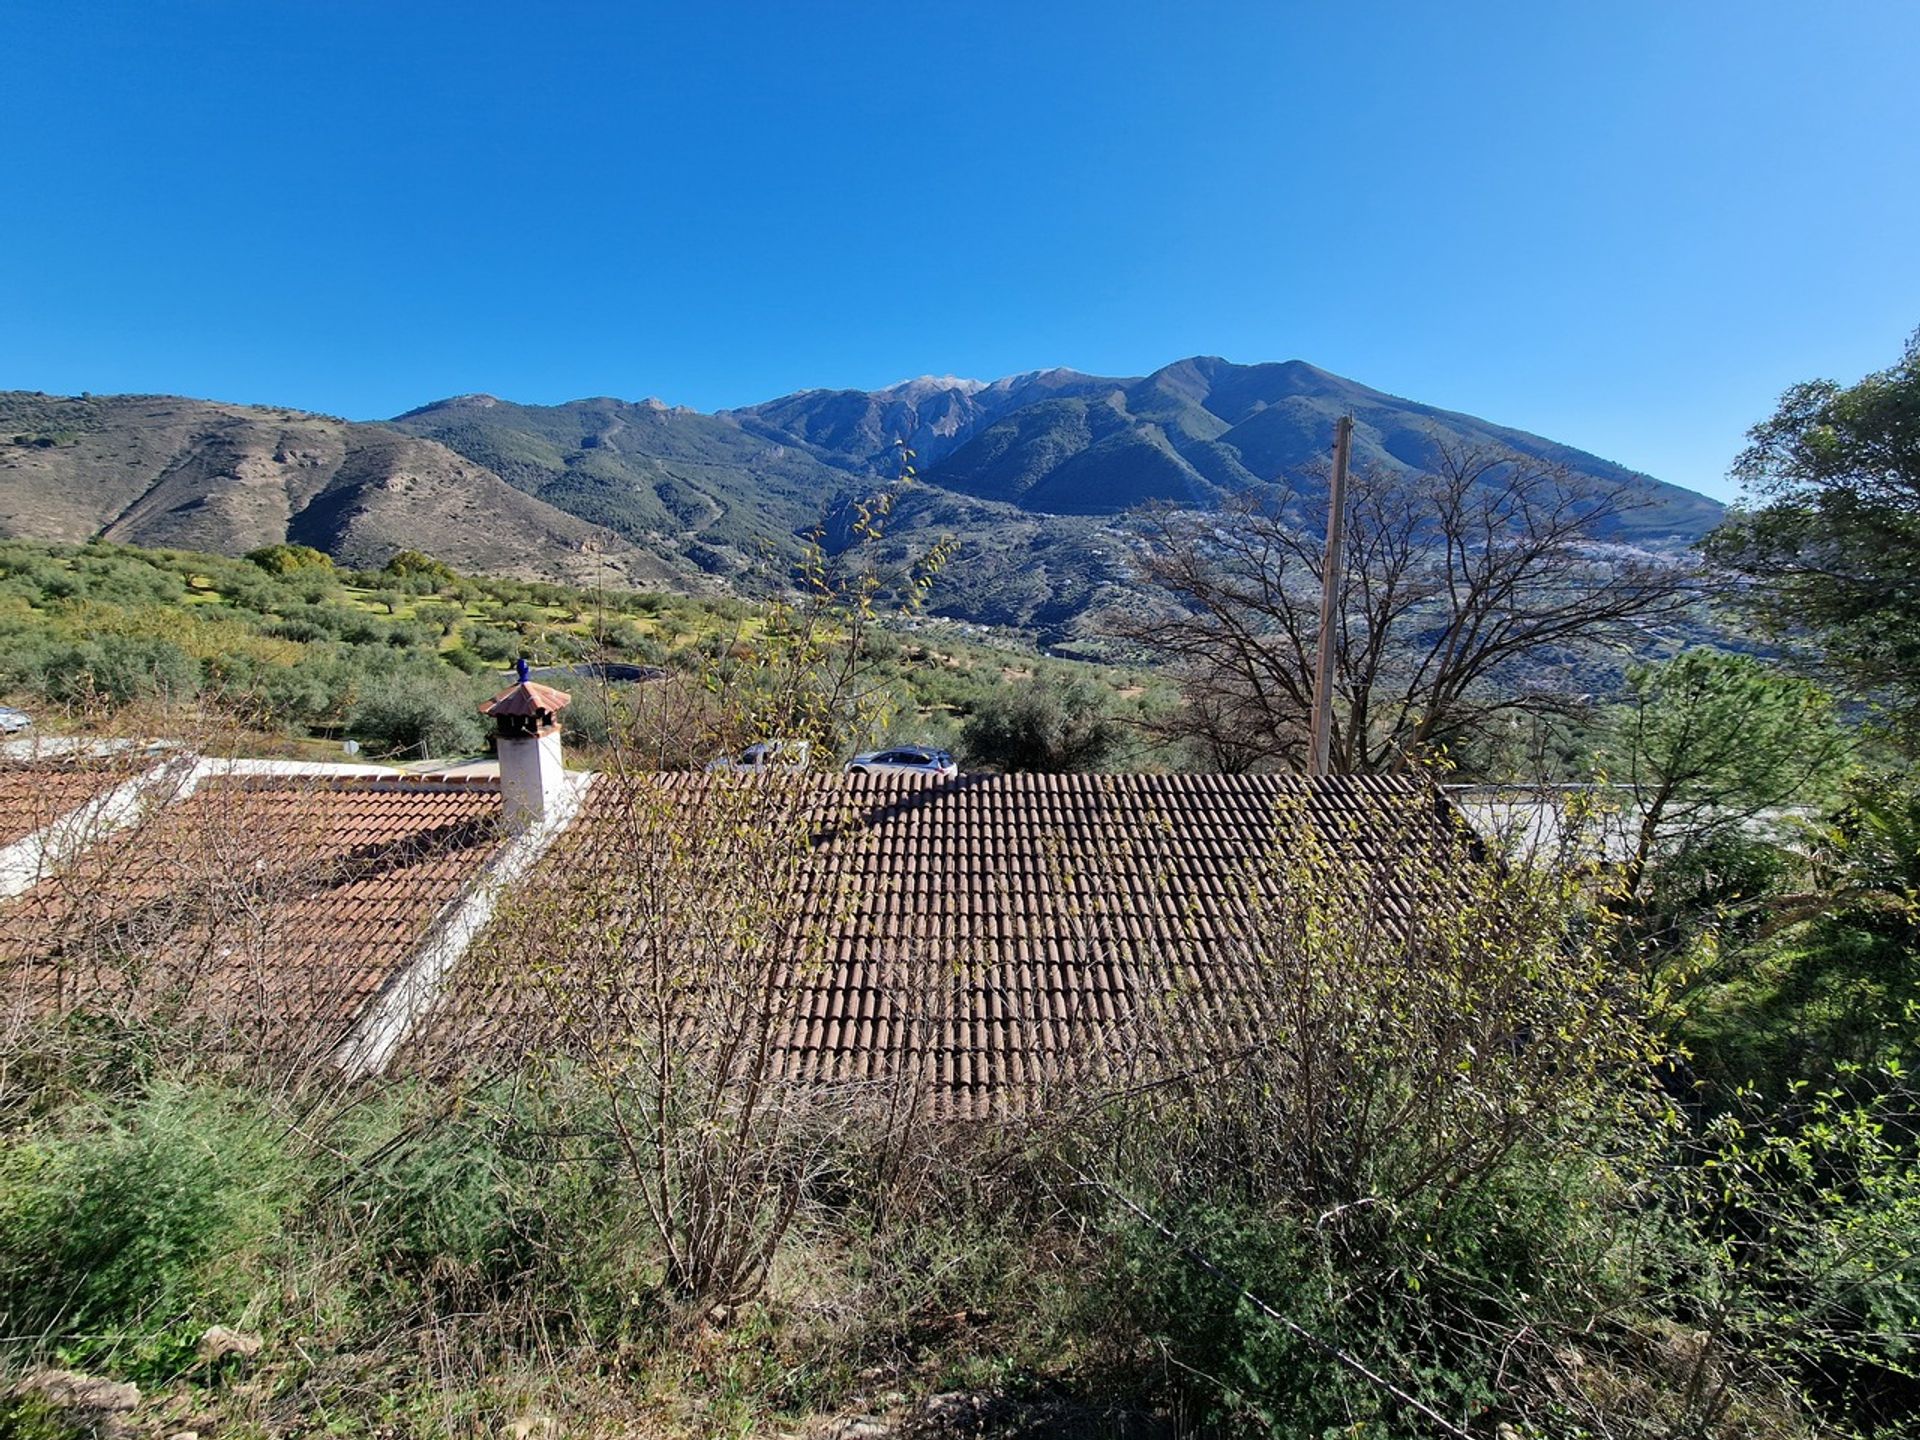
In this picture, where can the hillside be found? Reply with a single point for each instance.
(191, 474)
(663, 477)
(1029, 475)
(301, 654)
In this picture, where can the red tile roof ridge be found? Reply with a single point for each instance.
(1071, 782)
(409, 784)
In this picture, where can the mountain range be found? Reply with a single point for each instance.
(1030, 475)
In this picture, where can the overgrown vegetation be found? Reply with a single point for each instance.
(1586, 1139)
(1416, 1160)
(398, 659)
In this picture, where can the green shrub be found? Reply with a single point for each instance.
(311, 586)
(410, 563)
(301, 629)
(598, 714)
(286, 559)
(478, 1201)
(1039, 725)
(314, 690)
(421, 714)
(127, 579)
(628, 639)
(412, 635)
(441, 615)
(118, 668)
(1429, 1299)
(468, 663)
(127, 1228)
(33, 1417)
(490, 642)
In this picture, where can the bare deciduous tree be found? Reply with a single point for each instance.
(1456, 583)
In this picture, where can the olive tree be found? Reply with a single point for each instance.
(1710, 743)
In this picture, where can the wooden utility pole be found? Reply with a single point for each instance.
(1330, 574)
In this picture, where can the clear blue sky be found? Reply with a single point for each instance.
(1623, 225)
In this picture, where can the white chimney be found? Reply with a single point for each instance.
(526, 724)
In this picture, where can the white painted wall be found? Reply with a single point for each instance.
(532, 773)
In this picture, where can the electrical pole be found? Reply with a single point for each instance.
(1330, 574)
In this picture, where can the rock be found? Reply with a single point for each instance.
(983, 1412)
(184, 1435)
(861, 1427)
(956, 1410)
(218, 1342)
(70, 1390)
(531, 1427)
(951, 1402)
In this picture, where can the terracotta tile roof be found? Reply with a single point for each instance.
(526, 699)
(275, 905)
(989, 933)
(34, 796)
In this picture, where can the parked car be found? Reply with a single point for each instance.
(909, 760)
(13, 721)
(785, 756)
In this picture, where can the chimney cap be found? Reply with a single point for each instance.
(527, 700)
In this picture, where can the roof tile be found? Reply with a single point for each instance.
(277, 906)
(1043, 899)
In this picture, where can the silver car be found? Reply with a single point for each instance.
(13, 721)
(785, 756)
(906, 760)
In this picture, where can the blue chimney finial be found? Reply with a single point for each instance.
(522, 665)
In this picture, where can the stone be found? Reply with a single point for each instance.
(531, 1427)
(218, 1342)
(70, 1390)
(971, 1412)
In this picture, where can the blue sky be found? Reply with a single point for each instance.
(1626, 225)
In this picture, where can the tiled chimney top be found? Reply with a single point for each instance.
(526, 722)
(527, 708)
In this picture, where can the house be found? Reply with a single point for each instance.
(985, 937)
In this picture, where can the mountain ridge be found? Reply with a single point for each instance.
(1280, 415)
(1030, 473)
